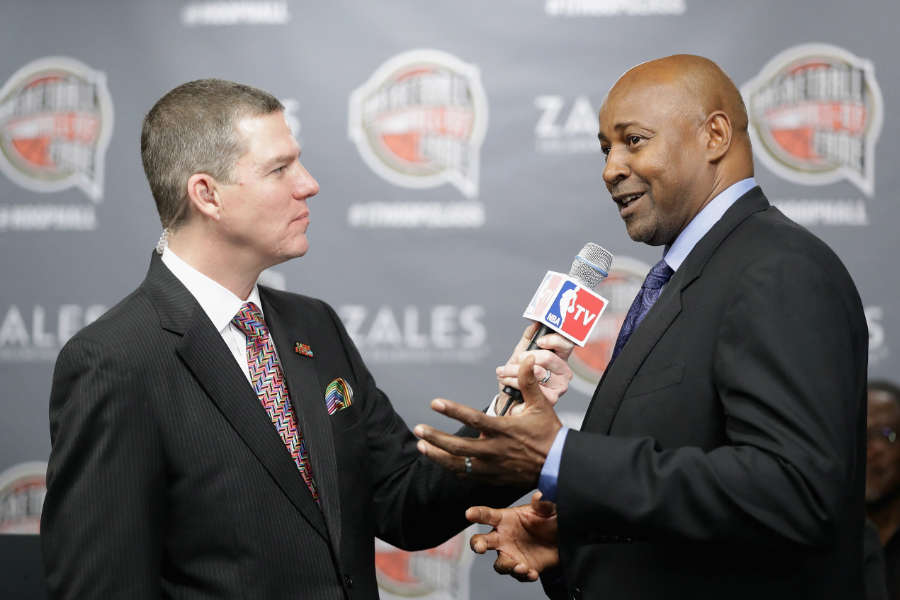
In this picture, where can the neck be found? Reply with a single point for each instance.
(218, 261)
(886, 516)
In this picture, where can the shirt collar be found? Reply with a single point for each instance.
(219, 303)
(704, 221)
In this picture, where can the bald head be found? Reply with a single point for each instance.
(703, 83)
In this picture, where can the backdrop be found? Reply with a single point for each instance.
(455, 144)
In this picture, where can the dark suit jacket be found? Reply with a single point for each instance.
(723, 452)
(167, 478)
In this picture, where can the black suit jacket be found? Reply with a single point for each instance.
(167, 478)
(725, 447)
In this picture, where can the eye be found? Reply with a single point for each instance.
(604, 148)
(279, 170)
(633, 140)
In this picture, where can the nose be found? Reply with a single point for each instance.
(306, 185)
(616, 168)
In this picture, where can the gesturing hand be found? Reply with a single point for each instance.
(525, 537)
(510, 450)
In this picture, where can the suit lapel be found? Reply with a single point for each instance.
(209, 360)
(643, 339)
(611, 390)
(288, 328)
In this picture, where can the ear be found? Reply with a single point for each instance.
(718, 133)
(204, 199)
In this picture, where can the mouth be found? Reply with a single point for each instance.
(626, 200)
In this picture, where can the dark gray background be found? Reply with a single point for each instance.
(539, 207)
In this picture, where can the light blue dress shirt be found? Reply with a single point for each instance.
(674, 255)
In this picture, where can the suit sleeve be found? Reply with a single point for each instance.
(416, 503)
(102, 517)
(789, 366)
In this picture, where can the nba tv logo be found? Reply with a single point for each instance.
(574, 312)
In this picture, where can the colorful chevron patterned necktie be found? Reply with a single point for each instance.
(268, 381)
(645, 299)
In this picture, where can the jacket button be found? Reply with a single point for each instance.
(348, 581)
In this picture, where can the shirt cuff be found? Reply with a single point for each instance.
(491, 410)
(550, 471)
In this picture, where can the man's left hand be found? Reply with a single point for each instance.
(510, 450)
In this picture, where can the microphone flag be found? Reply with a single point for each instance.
(566, 307)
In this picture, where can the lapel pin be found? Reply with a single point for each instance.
(303, 350)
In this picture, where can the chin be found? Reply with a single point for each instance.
(298, 248)
(640, 235)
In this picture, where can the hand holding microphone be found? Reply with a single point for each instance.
(567, 305)
(550, 369)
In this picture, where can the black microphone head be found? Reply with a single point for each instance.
(591, 265)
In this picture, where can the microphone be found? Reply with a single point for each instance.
(588, 270)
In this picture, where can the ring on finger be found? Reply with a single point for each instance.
(468, 463)
(546, 378)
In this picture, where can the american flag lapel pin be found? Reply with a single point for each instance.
(303, 349)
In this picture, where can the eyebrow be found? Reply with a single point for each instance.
(284, 158)
(618, 127)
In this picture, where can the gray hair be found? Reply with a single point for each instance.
(192, 130)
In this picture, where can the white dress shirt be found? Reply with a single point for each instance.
(219, 304)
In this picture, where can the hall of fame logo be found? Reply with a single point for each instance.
(620, 288)
(815, 115)
(420, 119)
(22, 491)
(439, 573)
(56, 119)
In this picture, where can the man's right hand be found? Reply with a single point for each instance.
(525, 537)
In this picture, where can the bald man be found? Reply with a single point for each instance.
(723, 452)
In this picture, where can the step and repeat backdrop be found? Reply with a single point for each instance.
(455, 145)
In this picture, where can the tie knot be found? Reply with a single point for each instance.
(658, 276)
(250, 320)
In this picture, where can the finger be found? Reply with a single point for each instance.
(465, 415)
(442, 457)
(542, 508)
(508, 375)
(528, 384)
(541, 373)
(529, 332)
(556, 343)
(483, 542)
(504, 564)
(545, 358)
(484, 515)
(551, 362)
(523, 572)
(508, 370)
(524, 341)
(512, 381)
